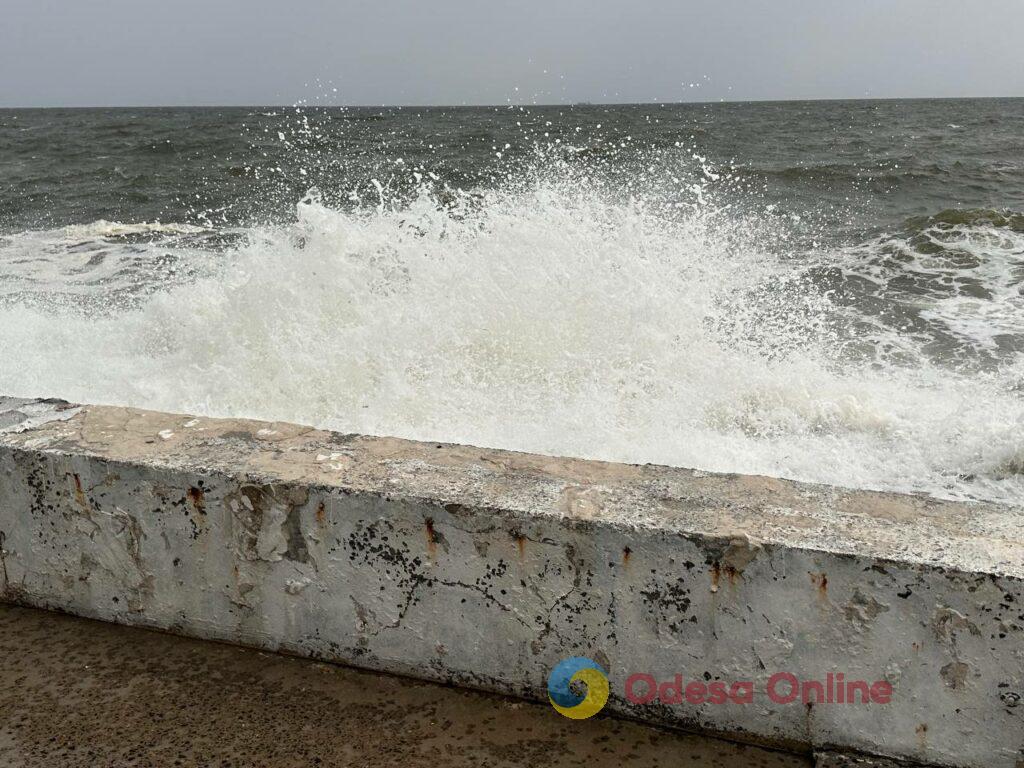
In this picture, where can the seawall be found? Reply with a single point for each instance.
(485, 568)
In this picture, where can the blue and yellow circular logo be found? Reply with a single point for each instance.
(578, 669)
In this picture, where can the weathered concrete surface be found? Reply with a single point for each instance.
(485, 568)
(85, 694)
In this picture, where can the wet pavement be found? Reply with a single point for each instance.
(75, 692)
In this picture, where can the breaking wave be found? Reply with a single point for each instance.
(558, 316)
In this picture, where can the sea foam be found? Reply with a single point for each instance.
(549, 316)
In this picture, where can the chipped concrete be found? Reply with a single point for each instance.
(484, 568)
(840, 760)
(20, 413)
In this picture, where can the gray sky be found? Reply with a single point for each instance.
(144, 52)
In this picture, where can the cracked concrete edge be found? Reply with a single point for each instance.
(485, 568)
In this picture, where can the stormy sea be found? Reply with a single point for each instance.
(825, 291)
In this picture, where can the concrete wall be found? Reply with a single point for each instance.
(485, 568)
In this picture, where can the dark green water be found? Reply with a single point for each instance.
(831, 291)
(869, 164)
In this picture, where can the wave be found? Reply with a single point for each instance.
(554, 316)
(968, 217)
(103, 228)
(893, 170)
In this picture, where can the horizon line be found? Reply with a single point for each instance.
(583, 103)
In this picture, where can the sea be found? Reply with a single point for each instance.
(826, 291)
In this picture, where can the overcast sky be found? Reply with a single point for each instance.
(149, 52)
